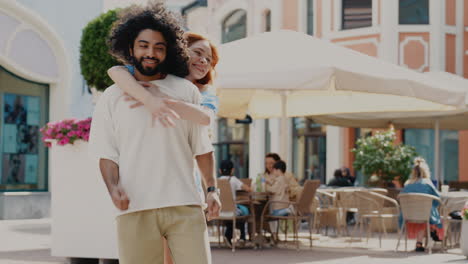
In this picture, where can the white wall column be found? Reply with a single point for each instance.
(437, 37)
(256, 147)
(275, 135)
(388, 49)
(326, 19)
(335, 150)
(289, 142)
(460, 7)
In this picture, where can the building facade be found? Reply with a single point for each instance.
(423, 35)
(40, 81)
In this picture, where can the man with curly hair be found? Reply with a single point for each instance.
(149, 168)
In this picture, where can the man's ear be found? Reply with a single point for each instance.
(130, 51)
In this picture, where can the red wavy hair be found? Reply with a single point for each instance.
(194, 37)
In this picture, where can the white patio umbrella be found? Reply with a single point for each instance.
(451, 120)
(290, 74)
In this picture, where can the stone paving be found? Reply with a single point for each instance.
(28, 242)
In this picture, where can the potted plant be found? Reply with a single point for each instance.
(381, 160)
(95, 59)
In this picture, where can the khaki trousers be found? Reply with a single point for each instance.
(140, 236)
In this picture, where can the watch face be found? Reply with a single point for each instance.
(213, 189)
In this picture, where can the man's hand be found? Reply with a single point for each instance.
(214, 205)
(119, 198)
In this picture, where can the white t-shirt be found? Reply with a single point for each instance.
(236, 184)
(156, 164)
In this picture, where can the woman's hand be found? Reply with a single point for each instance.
(157, 105)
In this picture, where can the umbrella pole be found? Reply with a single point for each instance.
(438, 175)
(284, 128)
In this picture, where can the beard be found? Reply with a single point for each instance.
(147, 71)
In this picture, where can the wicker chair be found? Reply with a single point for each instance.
(228, 210)
(346, 202)
(370, 206)
(452, 235)
(302, 209)
(327, 213)
(416, 208)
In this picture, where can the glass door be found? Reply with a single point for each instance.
(315, 158)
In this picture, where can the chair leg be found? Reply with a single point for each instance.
(400, 233)
(296, 232)
(384, 229)
(286, 230)
(361, 228)
(406, 238)
(219, 233)
(234, 237)
(369, 227)
(311, 229)
(428, 234)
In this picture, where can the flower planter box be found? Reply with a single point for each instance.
(464, 238)
(83, 222)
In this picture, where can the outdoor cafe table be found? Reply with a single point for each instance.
(448, 196)
(257, 202)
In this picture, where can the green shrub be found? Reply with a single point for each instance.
(95, 59)
(378, 155)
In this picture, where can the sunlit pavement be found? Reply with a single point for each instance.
(28, 241)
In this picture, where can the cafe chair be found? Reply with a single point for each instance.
(416, 208)
(303, 209)
(228, 211)
(452, 224)
(327, 212)
(371, 209)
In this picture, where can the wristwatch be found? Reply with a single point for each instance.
(213, 189)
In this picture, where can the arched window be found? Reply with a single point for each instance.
(267, 21)
(235, 26)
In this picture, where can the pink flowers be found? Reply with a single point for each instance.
(66, 131)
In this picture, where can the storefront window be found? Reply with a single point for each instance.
(309, 150)
(24, 157)
(235, 26)
(233, 144)
(423, 141)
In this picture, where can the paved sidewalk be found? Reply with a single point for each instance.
(28, 242)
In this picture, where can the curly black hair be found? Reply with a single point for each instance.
(156, 17)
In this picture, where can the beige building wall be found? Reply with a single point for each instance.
(440, 45)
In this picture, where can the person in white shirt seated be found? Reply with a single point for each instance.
(227, 170)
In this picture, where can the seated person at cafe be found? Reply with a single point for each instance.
(338, 180)
(294, 188)
(227, 170)
(420, 182)
(346, 173)
(278, 186)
